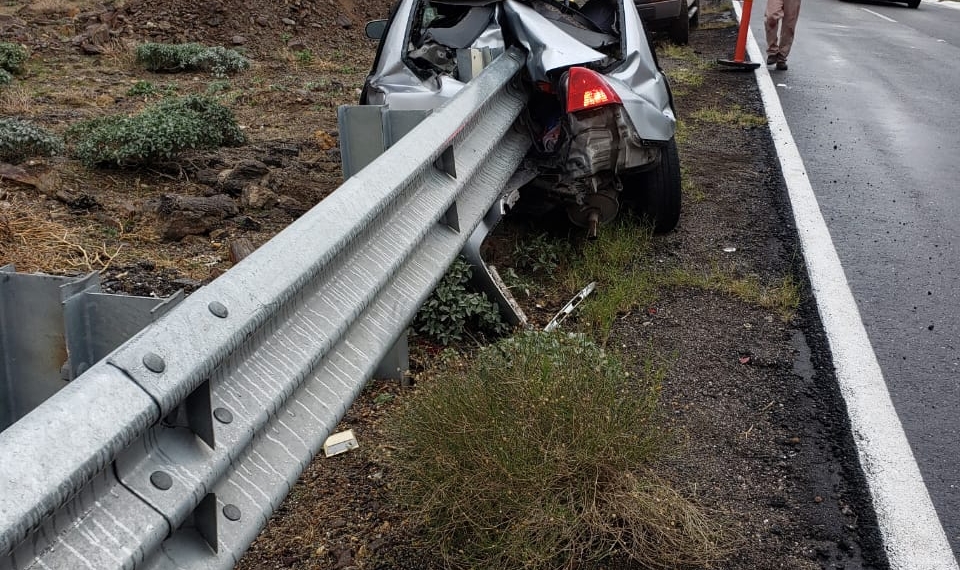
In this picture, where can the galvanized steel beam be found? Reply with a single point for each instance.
(203, 421)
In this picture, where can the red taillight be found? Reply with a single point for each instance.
(587, 89)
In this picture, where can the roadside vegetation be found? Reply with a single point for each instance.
(540, 451)
(12, 58)
(520, 449)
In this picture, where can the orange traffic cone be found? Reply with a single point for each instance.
(739, 54)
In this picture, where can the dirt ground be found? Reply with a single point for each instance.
(760, 426)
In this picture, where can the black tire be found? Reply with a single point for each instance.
(695, 20)
(655, 194)
(914, 3)
(679, 32)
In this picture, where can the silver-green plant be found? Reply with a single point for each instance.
(158, 133)
(188, 57)
(12, 57)
(20, 140)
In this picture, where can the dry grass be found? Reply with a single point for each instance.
(34, 243)
(538, 454)
(15, 101)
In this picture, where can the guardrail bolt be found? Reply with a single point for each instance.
(223, 415)
(232, 512)
(218, 309)
(161, 480)
(154, 362)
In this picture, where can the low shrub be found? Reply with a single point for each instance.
(12, 57)
(160, 132)
(147, 89)
(539, 453)
(187, 57)
(5, 77)
(453, 311)
(20, 140)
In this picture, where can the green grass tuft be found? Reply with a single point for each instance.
(734, 116)
(538, 453)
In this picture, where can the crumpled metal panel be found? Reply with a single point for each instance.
(209, 415)
(640, 85)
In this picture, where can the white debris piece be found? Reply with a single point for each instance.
(340, 442)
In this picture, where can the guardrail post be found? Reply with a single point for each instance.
(53, 328)
(396, 363)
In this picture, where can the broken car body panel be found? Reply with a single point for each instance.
(551, 44)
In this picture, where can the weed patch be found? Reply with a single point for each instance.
(782, 297)
(12, 57)
(617, 262)
(452, 311)
(160, 132)
(539, 453)
(20, 140)
(734, 116)
(186, 57)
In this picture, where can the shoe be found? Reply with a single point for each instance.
(782, 65)
(771, 59)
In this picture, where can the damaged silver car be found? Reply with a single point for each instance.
(600, 113)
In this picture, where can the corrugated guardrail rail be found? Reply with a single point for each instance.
(174, 450)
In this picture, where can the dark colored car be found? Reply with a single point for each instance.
(675, 17)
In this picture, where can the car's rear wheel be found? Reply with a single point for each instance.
(655, 194)
(914, 3)
(679, 32)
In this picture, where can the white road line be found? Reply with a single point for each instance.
(881, 16)
(912, 535)
(944, 3)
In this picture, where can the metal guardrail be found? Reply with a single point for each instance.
(174, 450)
(53, 328)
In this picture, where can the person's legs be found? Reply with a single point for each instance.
(791, 12)
(772, 17)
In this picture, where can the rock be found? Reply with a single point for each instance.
(77, 201)
(291, 205)
(194, 215)
(207, 177)
(297, 45)
(246, 223)
(92, 49)
(344, 22)
(324, 140)
(233, 180)
(344, 558)
(257, 197)
(238, 40)
(288, 21)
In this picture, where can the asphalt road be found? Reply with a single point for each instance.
(872, 98)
